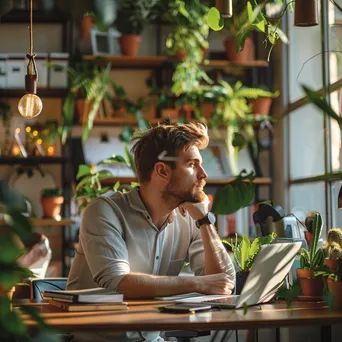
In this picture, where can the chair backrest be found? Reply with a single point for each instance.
(39, 285)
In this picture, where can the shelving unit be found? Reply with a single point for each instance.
(42, 92)
(32, 160)
(138, 62)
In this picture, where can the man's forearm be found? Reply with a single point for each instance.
(217, 260)
(138, 285)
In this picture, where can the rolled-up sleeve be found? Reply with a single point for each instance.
(103, 244)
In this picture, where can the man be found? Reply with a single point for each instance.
(137, 242)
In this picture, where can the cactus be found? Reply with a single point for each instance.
(333, 248)
(335, 235)
(315, 256)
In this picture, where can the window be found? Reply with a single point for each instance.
(313, 142)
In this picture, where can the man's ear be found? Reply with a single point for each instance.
(162, 170)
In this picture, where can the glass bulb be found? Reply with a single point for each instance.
(30, 106)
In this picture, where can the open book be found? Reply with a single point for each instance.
(97, 295)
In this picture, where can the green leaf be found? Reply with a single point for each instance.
(21, 225)
(244, 252)
(10, 252)
(235, 195)
(214, 19)
(10, 197)
(83, 170)
(321, 103)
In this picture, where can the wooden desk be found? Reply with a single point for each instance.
(145, 316)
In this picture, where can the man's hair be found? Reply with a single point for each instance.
(166, 141)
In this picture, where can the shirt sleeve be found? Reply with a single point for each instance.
(105, 250)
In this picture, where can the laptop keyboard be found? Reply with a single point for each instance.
(228, 300)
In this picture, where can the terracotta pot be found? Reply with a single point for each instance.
(245, 55)
(181, 54)
(52, 205)
(129, 44)
(261, 105)
(240, 280)
(335, 287)
(310, 286)
(332, 264)
(85, 26)
(82, 109)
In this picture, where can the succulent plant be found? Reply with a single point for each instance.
(333, 248)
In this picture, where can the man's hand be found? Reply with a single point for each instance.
(195, 210)
(219, 283)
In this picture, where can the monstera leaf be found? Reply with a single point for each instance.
(235, 195)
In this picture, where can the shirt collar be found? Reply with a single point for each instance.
(135, 201)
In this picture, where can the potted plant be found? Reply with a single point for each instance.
(248, 16)
(245, 252)
(234, 113)
(132, 16)
(189, 36)
(12, 326)
(335, 287)
(311, 261)
(262, 105)
(333, 249)
(52, 200)
(90, 187)
(89, 84)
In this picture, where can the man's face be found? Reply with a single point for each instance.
(187, 178)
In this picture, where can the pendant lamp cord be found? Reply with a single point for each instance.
(31, 66)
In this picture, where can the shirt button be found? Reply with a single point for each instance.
(157, 257)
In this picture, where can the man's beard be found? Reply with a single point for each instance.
(175, 192)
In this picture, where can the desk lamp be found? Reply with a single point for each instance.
(30, 105)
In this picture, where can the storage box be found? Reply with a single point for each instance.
(58, 76)
(3, 70)
(16, 71)
(42, 68)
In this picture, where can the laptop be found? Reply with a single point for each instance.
(268, 272)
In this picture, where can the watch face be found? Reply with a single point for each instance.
(211, 218)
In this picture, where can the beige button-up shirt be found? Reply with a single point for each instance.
(117, 237)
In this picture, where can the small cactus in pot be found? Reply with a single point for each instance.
(310, 261)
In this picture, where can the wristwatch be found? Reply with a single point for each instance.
(207, 219)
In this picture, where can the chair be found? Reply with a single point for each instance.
(39, 285)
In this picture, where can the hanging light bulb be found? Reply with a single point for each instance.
(30, 105)
(225, 7)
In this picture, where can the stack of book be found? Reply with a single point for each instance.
(98, 299)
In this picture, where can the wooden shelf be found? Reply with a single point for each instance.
(32, 160)
(47, 222)
(128, 180)
(22, 16)
(124, 120)
(131, 62)
(156, 61)
(41, 92)
(225, 63)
